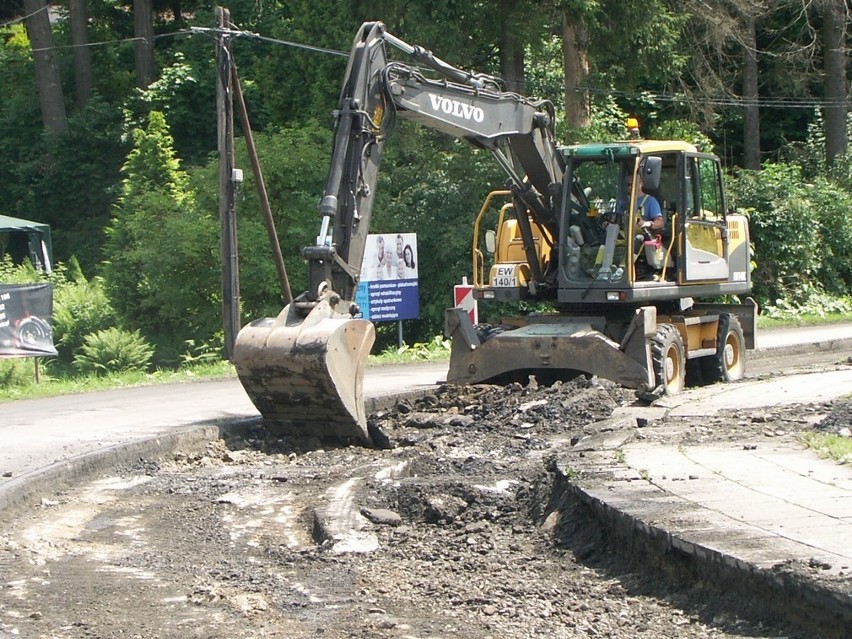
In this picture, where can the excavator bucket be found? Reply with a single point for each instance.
(305, 373)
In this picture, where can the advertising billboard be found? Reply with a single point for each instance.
(26, 312)
(389, 288)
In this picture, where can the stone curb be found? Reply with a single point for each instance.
(794, 349)
(817, 610)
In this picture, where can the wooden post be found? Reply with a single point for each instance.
(227, 184)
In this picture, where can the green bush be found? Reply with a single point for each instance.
(16, 371)
(113, 350)
(162, 273)
(200, 352)
(818, 304)
(811, 156)
(782, 230)
(832, 211)
(295, 166)
(25, 273)
(79, 309)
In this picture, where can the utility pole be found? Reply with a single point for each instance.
(229, 177)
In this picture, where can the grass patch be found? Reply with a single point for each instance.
(805, 319)
(830, 446)
(50, 386)
(438, 350)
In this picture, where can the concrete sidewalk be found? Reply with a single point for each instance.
(822, 337)
(758, 515)
(760, 503)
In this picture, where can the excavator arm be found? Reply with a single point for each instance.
(473, 107)
(304, 369)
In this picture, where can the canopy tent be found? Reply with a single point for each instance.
(22, 239)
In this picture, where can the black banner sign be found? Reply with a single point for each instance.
(26, 316)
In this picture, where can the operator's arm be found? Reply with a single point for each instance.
(652, 214)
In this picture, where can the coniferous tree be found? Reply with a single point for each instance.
(160, 269)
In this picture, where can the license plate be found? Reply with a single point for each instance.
(503, 281)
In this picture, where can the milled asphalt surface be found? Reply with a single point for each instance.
(737, 512)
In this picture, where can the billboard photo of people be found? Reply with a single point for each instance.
(389, 288)
(390, 257)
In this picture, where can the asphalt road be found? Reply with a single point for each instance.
(41, 433)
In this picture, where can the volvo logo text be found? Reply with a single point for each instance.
(456, 108)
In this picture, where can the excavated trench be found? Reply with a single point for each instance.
(455, 530)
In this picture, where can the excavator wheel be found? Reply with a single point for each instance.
(669, 359)
(728, 364)
(305, 373)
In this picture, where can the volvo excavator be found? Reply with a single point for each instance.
(568, 237)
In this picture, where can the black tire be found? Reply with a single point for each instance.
(669, 359)
(728, 364)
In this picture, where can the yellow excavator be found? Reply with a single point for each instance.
(569, 233)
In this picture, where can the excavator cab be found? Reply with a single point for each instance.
(622, 298)
(693, 254)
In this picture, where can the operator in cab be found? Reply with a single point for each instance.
(648, 208)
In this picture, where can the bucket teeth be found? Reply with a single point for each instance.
(305, 374)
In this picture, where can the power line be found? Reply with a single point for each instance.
(722, 101)
(117, 41)
(22, 18)
(732, 101)
(86, 44)
(257, 36)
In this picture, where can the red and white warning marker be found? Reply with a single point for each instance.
(463, 296)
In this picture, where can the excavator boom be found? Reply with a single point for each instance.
(304, 369)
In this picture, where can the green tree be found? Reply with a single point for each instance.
(48, 81)
(295, 165)
(86, 161)
(161, 266)
(801, 234)
(434, 186)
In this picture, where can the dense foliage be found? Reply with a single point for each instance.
(113, 350)
(802, 234)
(130, 190)
(162, 271)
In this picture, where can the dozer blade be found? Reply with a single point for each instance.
(566, 347)
(305, 374)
